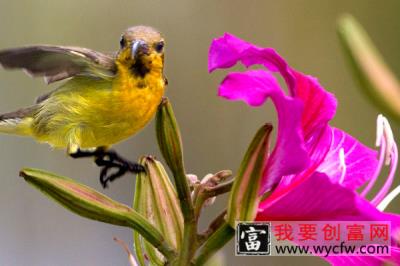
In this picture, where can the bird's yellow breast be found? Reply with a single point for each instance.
(89, 112)
(137, 98)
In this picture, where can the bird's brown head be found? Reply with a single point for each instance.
(141, 50)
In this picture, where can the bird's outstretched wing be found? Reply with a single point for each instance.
(58, 62)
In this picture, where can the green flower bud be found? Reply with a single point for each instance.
(169, 137)
(244, 197)
(169, 141)
(156, 199)
(91, 204)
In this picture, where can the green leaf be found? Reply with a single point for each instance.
(244, 197)
(91, 204)
(374, 76)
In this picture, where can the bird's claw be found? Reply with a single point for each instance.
(110, 160)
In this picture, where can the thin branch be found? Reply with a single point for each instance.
(214, 226)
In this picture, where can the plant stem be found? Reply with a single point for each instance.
(199, 199)
(214, 243)
(138, 206)
(202, 193)
(214, 226)
(190, 223)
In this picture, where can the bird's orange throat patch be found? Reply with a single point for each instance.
(146, 72)
(140, 94)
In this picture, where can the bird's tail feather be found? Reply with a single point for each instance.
(17, 123)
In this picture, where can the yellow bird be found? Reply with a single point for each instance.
(105, 99)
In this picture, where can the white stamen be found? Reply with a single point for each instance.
(389, 198)
(395, 192)
(342, 165)
(378, 169)
(380, 142)
(379, 130)
(390, 140)
(383, 130)
(385, 136)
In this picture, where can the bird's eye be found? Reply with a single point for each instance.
(159, 46)
(122, 42)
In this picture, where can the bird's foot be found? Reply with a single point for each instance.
(109, 160)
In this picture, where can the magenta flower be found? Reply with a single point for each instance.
(314, 170)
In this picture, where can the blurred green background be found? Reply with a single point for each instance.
(36, 231)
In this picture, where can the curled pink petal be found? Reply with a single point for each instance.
(320, 105)
(227, 50)
(289, 155)
(254, 87)
(318, 109)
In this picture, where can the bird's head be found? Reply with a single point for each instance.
(141, 50)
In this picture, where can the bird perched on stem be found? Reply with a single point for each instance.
(105, 99)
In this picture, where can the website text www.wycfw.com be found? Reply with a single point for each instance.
(320, 238)
(332, 250)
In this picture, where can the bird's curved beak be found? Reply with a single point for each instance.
(139, 47)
